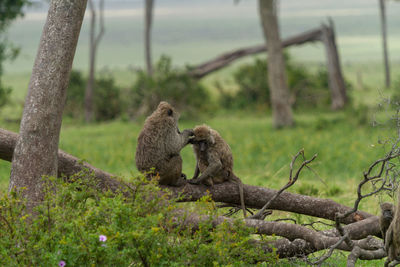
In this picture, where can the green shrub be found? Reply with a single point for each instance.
(169, 84)
(307, 89)
(83, 226)
(75, 95)
(5, 93)
(106, 99)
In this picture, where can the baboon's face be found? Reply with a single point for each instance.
(202, 137)
(387, 210)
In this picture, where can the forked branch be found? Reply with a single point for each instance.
(261, 214)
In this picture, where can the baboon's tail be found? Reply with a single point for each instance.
(240, 185)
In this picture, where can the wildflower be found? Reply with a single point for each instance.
(102, 238)
(62, 263)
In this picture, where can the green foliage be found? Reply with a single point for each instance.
(75, 95)
(140, 229)
(307, 89)
(107, 100)
(169, 84)
(9, 10)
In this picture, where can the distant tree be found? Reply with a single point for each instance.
(382, 10)
(281, 109)
(148, 20)
(36, 149)
(9, 10)
(94, 41)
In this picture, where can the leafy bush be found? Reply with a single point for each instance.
(167, 84)
(79, 225)
(107, 101)
(306, 89)
(4, 95)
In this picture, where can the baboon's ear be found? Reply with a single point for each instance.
(170, 112)
(212, 140)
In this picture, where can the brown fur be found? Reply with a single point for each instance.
(214, 160)
(392, 238)
(159, 145)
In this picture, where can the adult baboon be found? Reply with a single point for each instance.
(386, 217)
(159, 145)
(392, 238)
(214, 160)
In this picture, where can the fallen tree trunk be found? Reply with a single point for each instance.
(255, 197)
(223, 60)
(297, 239)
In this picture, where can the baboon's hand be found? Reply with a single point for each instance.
(188, 132)
(194, 181)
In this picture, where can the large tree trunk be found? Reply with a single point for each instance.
(382, 9)
(281, 110)
(36, 149)
(147, 34)
(93, 44)
(336, 80)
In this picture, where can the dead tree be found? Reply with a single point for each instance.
(93, 45)
(225, 59)
(36, 148)
(324, 34)
(336, 81)
(382, 9)
(148, 20)
(281, 109)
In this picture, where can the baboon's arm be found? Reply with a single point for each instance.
(185, 136)
(196, 171)
(214, 166)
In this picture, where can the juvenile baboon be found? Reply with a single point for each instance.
(392, 239)
(159, 145)
(214, 160)
(386, 217)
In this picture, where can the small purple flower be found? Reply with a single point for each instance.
(62, 263)
(102, 238)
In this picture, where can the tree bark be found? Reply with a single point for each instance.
(281, 109)
(382, 9)
(148, 20)
(36, 149)
(93, 44)
(336, 80)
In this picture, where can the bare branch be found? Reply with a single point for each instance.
(261, 214)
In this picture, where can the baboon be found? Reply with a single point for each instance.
(392, 238)
(214, 160)
(159, 145)
(387, 212)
